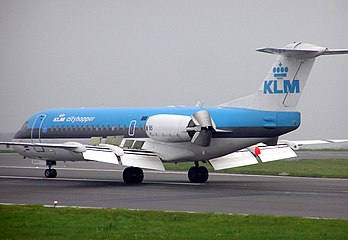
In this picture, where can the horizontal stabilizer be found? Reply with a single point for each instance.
(335, 51)
(302, 51)
(287, 52)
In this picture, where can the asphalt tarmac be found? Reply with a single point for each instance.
(100, 185)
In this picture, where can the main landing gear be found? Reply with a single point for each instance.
(198, 174)
(133, 175)
(50, 172)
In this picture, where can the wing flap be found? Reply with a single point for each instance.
(246, 157)
(100, 156)
(274, 153)
(232, 160)
(149, 161)
(131, 157)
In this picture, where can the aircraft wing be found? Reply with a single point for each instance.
(104, 153)
(253, 155)
(296, 144)
(249, 156)
(73, 146)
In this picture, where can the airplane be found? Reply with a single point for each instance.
(241, 132)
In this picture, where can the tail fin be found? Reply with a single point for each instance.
(284, 83)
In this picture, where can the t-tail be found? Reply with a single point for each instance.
(284, 83)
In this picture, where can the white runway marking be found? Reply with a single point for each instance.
(67, 169)
(175, 172)
(93, 180)
(55, 179)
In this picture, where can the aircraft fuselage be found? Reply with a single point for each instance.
(237, 128)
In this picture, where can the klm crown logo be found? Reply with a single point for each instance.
(280, 71)
(281, 85)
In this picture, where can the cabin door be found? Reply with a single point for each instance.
(36, 131)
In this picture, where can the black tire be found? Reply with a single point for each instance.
(47, 173)
(198, 174)
(139, 175)
(53, 173)
(50, 173)
(203, 174)
(193, 174)
(133, 175)
(127, 176)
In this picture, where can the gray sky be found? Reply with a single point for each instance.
(158, 53)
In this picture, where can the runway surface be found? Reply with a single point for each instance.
(101, 185)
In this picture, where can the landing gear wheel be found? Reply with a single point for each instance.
(53, 173)
(50, 173)
(198, 174)
(204, 174)
(47, 173)
(133, 175)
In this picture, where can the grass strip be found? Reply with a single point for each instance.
(7, 151)
(37, 222)
(332, 168)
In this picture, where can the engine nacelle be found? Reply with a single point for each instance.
(168, 128)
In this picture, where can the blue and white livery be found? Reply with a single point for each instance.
(237, 133)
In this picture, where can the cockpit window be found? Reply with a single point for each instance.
(25, 125)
